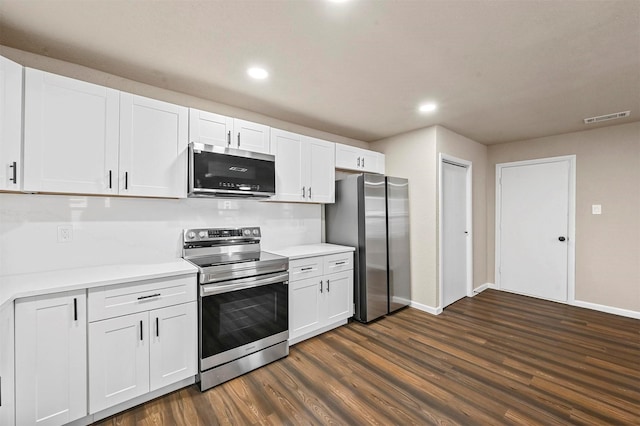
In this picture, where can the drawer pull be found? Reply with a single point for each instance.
(157, 327)
(341, 263)
(307, 269)
(141, 336)
(149, 296)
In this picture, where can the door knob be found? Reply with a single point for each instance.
(561, 238)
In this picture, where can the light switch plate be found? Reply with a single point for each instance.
(596, 209)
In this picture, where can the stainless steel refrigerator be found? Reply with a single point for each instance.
(371, 213)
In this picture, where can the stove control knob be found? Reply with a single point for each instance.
(256, 232)
(247, 232)
(202, 234)
(191, 235)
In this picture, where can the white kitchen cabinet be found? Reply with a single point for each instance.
(118, 360)
(153, 143)
(87, 139)
(51, 358)
(70, 135)
(215, 129)
(174, 345)
(7, 410)
(142, 337)
(358, 159)
(305, 170)
(320, 294)
(11, 75)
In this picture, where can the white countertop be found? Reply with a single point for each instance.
(310, 250)
(34, 284)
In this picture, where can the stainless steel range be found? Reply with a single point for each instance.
(243, 302)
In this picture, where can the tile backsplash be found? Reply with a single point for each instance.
(112, 230)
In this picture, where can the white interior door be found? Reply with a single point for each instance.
(533, 228)
(454, 232)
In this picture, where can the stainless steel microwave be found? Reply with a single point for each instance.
(216, 171)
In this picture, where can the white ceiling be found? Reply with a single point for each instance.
(499, 70)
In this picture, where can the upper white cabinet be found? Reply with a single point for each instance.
(215, 129)
(84, 138)
(70, 135)
(153, 143)
(305, 170)
(358, 159)
(51, 359)
(10, 125)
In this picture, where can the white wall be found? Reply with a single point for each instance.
(112, 230)
(413, 156)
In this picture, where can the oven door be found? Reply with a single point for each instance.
(243, 316)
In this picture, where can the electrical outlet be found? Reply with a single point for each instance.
(596, 209)
(65, 233)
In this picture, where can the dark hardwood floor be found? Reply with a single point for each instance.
(497, 358)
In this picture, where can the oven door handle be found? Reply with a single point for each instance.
(211, 289)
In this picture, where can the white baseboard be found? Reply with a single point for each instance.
(607, 309)
(480, 289)
(425, 308)
(493, 286)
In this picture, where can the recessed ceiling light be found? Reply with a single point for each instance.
(257, 73)
(428, 107)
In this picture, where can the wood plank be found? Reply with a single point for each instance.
(497, 358)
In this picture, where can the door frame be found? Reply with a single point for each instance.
(571, 223)
(446, 158)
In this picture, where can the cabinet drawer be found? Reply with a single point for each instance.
(123, 299)
(309, 267)
(338, 262)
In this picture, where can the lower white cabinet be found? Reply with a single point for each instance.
(7, 410)
(51, 359)
(138, 353)
(133, 350)
(320, 294)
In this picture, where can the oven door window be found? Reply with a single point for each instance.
(233, 319)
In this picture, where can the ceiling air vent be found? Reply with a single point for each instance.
(613, 116)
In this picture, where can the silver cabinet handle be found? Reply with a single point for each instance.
(309, 192)
(157, 327)
(358, 161)
(110, 179)
(229, 138)
(126, 180)
(238, 139)
(141, 337)
(320, 286)
(308, 268)
(75, 309)
(328, 286)
(303, 192)
(363, 162)
(341, 263)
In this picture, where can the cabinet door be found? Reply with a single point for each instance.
(70, 135)
(287, 147)
(153, 142)
(250, 136)
(7, 370)
(306, 306)
(380, 163)
(51, 358)
(118, 360)
(369, 161)
(339, 294)
(209, 128)
(173, 348)
(347, 157)
(10, 125)
(321, 168)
